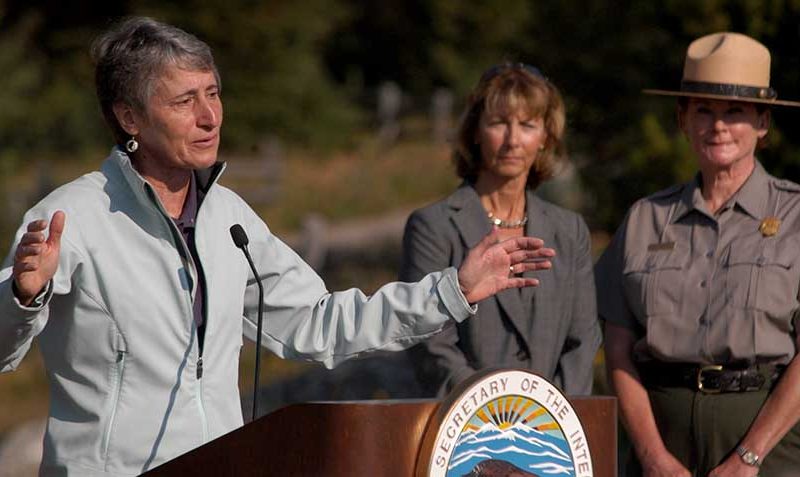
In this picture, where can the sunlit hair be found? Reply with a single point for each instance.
(512, 87)
(761, 108)
(130, 57)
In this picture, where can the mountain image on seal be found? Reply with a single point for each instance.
(498, 468)
(542, 453)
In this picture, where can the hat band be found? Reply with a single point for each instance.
(732, 90)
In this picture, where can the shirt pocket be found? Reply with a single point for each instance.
(652, 281)
(762, 275)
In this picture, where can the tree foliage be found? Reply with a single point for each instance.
(270, 57)
(307, 72)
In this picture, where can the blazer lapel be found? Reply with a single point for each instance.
(472, 224)
(468, 216)
(538, 226)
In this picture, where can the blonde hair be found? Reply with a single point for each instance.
(512, 87)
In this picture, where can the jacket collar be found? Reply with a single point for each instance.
(119, 163)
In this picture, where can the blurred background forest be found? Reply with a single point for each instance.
(302, 83)
(307, 73)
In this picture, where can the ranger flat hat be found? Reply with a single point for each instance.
(727, 66)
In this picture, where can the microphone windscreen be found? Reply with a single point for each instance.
(239, 236)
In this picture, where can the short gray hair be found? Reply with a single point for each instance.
(131, 55)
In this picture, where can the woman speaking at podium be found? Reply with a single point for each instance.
(140, 298)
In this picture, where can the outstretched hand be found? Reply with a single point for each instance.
(36, 258)
(492, 266)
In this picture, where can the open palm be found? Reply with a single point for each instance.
(492, 266)
(36, 257)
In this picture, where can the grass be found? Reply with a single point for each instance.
(368, 183)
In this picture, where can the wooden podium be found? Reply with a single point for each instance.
(357, 438)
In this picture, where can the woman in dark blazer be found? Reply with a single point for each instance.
(509, 141)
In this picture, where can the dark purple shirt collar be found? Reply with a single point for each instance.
(189, 213)
(186, 223)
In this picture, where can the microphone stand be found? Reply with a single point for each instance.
(258, 331)
(240, 240)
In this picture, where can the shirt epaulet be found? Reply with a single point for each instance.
(786, 185)
(672, 190)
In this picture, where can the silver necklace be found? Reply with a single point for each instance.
(508, 224)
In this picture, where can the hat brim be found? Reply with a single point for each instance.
(771, 102)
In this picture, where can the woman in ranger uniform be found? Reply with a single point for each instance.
(699, 288)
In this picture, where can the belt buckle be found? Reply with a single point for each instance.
(700, 386)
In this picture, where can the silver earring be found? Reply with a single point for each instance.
(131, 146)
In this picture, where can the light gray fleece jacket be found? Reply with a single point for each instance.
(118, 337)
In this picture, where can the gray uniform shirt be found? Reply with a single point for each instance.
(707, 288)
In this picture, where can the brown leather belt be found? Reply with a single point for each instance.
(710, 379)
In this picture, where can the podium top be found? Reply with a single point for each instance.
(375, 438)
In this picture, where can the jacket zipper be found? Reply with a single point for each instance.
(199, 364)
(186, 256)
(119, 368)
(198, 289)
(201, 405)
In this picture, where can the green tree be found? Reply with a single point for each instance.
(47, 101)
(18, 92)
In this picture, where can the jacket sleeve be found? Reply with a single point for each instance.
(584, 336)
(438, 362)
(18, 324)
(302, 320)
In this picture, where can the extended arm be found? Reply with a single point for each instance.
(304, 321)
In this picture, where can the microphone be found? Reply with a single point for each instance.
(240, 240)
(239, 237)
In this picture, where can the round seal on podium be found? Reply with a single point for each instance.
(505, 422)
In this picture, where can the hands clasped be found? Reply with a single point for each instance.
(492, 266)
(36, 258)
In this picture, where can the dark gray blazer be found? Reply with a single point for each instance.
(551, 329)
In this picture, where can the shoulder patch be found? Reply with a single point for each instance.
(669, 191)
(786, 185)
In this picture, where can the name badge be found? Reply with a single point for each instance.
(657, 247)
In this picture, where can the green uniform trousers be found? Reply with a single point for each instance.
(701, 430)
